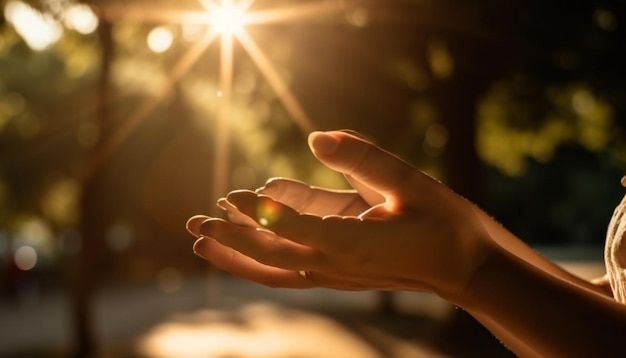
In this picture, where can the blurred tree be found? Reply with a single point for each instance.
(561, 108)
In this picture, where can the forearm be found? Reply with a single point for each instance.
(526, 307)
(512, 244)
(508, 339)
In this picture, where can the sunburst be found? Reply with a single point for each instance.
(227, 21)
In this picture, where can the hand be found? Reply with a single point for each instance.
(413, 234)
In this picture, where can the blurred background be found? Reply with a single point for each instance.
(121, 119)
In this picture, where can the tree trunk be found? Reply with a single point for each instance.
(93, 220)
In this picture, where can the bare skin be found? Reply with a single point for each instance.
(402, 230)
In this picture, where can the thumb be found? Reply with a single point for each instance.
(370, 195)
(367, 163)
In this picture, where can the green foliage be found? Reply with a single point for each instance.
(38, 116)
(513, 128)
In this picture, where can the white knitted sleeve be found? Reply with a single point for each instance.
(615, 251)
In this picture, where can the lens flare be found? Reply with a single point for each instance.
(269, 212)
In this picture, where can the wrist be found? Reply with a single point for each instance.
(470, 294)
(474, 253)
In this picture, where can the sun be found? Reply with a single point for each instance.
(227, 19)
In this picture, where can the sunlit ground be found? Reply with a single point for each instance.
(267, 330)
(225, 317)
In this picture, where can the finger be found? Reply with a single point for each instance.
(329, 233)
(263, 246)
(193, 224)
(376, 168)
(229, 260)
(314, 200)
(234, 215)
(371, 196)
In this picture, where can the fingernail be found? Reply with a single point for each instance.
(323, 143)
(193, 224)
(226, 206)
(200, 245)
(222, 204)
(354, 133)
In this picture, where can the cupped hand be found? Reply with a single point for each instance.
(400, 229)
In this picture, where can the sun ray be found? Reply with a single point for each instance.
(245, 4)
(209, 5)
(292, 13)
(149, 15)
(212, 6)
(278, 85)
(108, 148)
(222, 132)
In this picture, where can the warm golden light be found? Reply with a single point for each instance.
(227, 21)
(160, 39)
(260, 330)
(227, 18)
(81, 18)
(38, 30)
